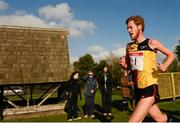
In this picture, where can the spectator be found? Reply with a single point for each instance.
(105, 84)
(131, 87)
(90, 90)
(74, 91)
(125, 90)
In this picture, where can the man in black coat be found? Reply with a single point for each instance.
(72, 102)
(105, 83)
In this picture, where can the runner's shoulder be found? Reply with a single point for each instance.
(153, 43)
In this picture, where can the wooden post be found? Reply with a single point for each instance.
(48, 96)
(1, 101)
(28, 97)
(11, 103)
(173, 86)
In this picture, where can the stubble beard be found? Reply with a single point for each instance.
(135, 36)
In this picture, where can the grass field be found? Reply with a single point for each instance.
(172, 108)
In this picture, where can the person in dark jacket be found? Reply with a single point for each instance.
(105, 84)
(74, 90)
(90, 90)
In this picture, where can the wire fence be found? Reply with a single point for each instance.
(169, 85)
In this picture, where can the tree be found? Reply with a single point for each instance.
(84, 64)
(174, 66)
(101, 65)
(177, 51)
(76, 65)
(116, 71)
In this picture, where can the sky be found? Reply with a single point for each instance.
(96, 26)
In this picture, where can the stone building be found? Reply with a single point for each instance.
(33, 55)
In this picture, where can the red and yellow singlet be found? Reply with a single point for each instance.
(143, 64)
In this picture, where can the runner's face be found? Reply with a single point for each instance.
(133, 30)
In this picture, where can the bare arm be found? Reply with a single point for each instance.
(155, 44)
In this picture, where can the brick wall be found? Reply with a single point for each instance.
(33, 55)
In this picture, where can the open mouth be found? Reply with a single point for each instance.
(130, 34)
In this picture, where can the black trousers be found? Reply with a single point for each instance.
(106, 101)
(89, 105)
(73, 107)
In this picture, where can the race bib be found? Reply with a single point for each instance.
(136, 60)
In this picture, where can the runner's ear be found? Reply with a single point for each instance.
(140, 27)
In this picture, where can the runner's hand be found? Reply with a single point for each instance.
(162, 67)
(122, 61)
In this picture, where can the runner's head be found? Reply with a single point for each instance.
(135, 26)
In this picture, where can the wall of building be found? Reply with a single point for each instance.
(33, 55)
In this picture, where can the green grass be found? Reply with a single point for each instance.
(169, 107)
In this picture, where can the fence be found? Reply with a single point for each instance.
(169, 85)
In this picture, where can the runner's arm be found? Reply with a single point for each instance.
(155, 44)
